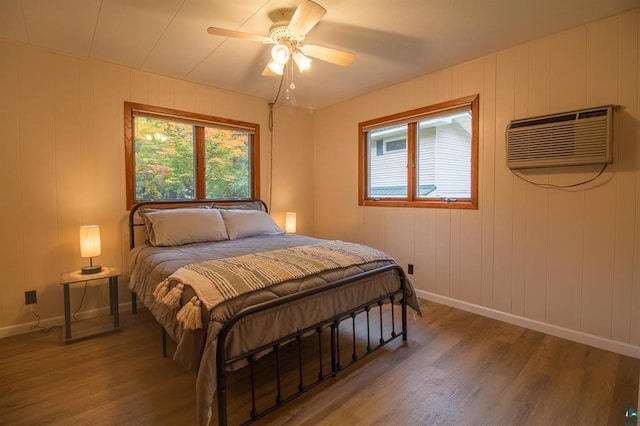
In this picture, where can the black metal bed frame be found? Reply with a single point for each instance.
(333, 324)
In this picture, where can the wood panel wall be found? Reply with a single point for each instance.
(62, 166)
(567, 259)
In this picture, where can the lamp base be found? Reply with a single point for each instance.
(93, 269)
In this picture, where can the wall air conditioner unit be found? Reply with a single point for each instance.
(567, 139)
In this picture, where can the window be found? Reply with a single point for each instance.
(427, 157)
(175, 155)
(397, 145)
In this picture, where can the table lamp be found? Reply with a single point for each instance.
(290, 222)
(90, 247)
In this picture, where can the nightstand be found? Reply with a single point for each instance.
(74, 277)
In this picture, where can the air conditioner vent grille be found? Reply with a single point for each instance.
(582, 137)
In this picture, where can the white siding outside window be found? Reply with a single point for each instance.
(453, 162)
(387, 168)
(444, 159)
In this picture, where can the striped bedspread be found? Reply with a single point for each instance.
(215, 281)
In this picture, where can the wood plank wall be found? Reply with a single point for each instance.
(62, 166)
(568, 259)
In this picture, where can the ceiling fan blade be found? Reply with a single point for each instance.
(237, 34)
(306, 16)
(338, 57)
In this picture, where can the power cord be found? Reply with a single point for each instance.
(552, 186)
(37, 325)
(44, 329)
(271, 105)
(84, 292)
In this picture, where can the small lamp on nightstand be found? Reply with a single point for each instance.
(290, 222)
(90, 247)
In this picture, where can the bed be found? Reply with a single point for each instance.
(184, 256)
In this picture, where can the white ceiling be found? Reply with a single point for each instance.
(394, 40)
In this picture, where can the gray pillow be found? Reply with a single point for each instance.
(249, 223)
(174, 227)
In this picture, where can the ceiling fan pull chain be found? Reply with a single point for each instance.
(292, 85)
(288, 77)
(289, 72)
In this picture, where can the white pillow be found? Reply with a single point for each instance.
(249, 223)
(175, 227)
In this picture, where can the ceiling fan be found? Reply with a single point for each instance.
(287, 36)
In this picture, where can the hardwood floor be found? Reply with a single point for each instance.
(457, 368)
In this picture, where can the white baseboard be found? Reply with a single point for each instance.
(27, 327)
(565, 333)
(554, 330)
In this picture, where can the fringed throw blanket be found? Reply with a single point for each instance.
(215, 281)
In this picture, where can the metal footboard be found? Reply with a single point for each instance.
(375, 339)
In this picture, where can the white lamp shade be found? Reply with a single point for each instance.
(302, 61)
(290, 222)
(280, 54)
(276, 67)
(90, 241)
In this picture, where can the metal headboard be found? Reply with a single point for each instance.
(175, 204)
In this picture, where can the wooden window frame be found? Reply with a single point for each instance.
(411, 118)
(131, 108)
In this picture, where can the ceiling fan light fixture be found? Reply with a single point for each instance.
(280, 54)
(276, 67)
(286, 38)
(303, 62)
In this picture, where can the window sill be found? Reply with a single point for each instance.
(435, 204)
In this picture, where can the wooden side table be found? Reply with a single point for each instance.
(69, 278)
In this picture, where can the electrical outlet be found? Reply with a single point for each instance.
(410, 269)
(30, 297)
